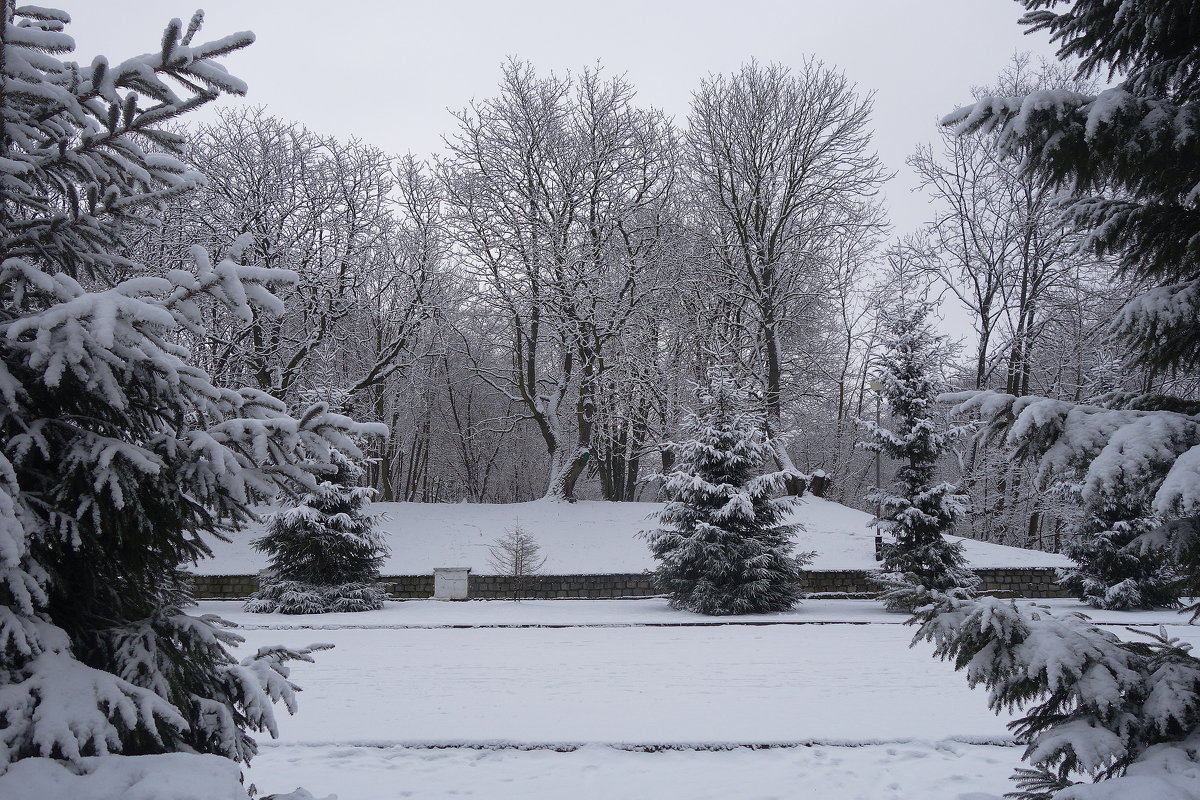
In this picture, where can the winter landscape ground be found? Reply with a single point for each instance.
(587, 295)
(618, 699)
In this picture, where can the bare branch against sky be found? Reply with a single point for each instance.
(412, 61)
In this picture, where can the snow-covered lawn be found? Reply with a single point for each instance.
(590, 538)
(864, 715)
(898, 771)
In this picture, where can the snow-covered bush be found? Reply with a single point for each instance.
(918, 510)
(721, 546)
(325, 552)
(1125, 715)
(117, 456)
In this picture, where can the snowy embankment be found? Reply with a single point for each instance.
(590, 537)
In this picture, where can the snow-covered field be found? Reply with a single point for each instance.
(590, 538)
(438, 700)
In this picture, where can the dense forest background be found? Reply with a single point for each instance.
(530, 311)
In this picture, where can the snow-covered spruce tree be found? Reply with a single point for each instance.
(325, 552)
(1125, 714)
(722, 547)
(917, 510)
(1128, 158)
(1121, 714)
(1111, 574)
(117, 456)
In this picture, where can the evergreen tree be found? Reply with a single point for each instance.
(1128, 158)
(325, 552)
(918, 510)
(117, 457)
(722, 547)
(1127, 715)
(1111, 574)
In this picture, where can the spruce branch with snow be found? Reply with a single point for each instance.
(918, 510)
(325, 552)
(1127, 155)
(118, 457)
(1111, 572)
(1124, 715)
(722, 546)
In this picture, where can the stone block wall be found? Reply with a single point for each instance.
(500, 587)
(1034, 582)
(223, 587)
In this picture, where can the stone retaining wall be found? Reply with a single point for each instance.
(1037, 582)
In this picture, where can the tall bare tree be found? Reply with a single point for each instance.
(781, 166)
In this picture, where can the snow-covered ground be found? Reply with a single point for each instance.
(590, 538)
(404, 708)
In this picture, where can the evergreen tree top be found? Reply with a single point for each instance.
(1152, 43)
(1130, 154)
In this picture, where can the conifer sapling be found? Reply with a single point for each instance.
(918, 510)
(518, 556)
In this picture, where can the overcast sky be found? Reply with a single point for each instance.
(386, 72)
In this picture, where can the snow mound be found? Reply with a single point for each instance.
(590, 537)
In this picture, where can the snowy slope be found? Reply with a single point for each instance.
(589, 537)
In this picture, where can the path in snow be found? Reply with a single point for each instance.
(909, 771)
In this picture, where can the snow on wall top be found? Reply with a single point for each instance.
(589, 537)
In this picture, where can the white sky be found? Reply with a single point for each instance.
(386, 72)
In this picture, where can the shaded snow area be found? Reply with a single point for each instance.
(615, 699)
(173, 775)
(590, 537)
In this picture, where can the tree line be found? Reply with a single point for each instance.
(529, 311)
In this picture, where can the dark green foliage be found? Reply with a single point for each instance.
(1131, 154)
(722, 546)
(325, 552)
(1094, 706)
(117, 456)
(1127, 715)
(1112, 572)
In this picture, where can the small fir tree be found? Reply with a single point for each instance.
(722, 547)
(918, 510)
(518, 556)
(325, 552)
(1113, 573)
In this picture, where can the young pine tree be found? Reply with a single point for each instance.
(1125, 715)
(118, 458)
(722, 546)
(918, 510)
(325, 552)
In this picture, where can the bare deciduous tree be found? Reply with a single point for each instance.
(782, 171)
(517, 556)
